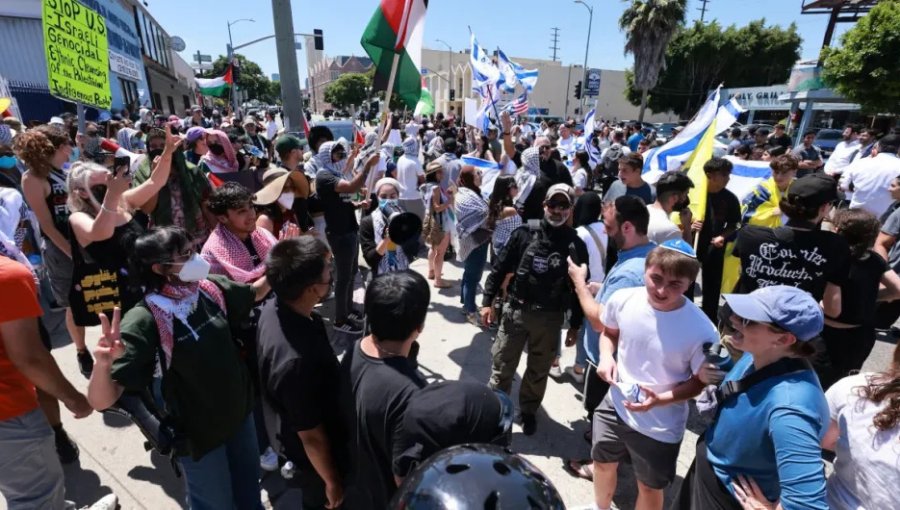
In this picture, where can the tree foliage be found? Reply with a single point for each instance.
(350, 89)
(250, 78)
(702, 56)
(866, 68)
(648, 26)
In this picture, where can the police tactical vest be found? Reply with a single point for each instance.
(542, 279)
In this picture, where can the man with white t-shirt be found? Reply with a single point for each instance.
(844, 151)
(411, 176)
(671, 195)
(870, 178)
(651, 349)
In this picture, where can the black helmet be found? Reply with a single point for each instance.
(477, 476)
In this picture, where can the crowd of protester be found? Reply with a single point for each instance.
(203, 246)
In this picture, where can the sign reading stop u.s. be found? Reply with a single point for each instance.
(77, 53)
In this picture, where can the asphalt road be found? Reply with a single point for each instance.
(113, 457)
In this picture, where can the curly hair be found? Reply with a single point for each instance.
(36, 147)
(885, 387)
(785, 163)
(859, 227)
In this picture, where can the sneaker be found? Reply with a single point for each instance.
(578, 378)
(108, 502)
(556, 371)
(474, 318)
(349, 326)
(85, 363)
(529, 424)
(66, 450)
(268, 461)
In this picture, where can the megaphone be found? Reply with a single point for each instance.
(111, 146)
(402, 226)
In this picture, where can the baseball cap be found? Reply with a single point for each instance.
(285, 143)
(813, 190)
(561, 189)
(791, 309)
(679, 245)
(451, 413)
(196, 108)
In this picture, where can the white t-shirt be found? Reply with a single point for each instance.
(408, 172)
(661, 227)
(579, 178)
(867, 462)
(657, 350)
(841, 157)
(566, 146)
(596, 254)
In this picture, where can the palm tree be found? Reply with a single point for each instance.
(649, 26)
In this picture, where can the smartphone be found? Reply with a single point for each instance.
(121, 161)
(173, 129)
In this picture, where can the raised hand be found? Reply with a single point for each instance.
(118, 181)
(289, 231)
(172, 140)
(110, 346)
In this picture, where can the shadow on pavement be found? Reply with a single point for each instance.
(83, 485)
(474, 360)
(161, 474)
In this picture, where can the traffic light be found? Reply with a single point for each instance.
(452, 94)
(578, 90)
(318, 39)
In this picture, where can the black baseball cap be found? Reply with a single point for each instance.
(813, 190)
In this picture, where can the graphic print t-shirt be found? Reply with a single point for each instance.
(806, 259)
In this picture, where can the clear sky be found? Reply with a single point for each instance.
(519, 27)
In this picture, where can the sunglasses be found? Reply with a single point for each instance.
(559, 205)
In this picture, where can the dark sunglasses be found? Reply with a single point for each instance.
(559, 205)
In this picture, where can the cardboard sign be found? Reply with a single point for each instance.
(77, 53)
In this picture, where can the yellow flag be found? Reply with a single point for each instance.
(700, 156)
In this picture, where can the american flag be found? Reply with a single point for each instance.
(520, 105)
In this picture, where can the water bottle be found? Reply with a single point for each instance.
(717, 354)
(287, 470)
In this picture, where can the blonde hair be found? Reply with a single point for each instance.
(79, 179)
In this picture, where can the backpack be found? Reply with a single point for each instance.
(610, 162)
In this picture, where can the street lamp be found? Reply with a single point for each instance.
(587, 46)
(230, 55)
(449, 67)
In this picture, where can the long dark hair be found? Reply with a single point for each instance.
(588, 208)
(155, 247)
(467, 179)
(885, 387)
(584, 160)
(500, 198)
(485, 146)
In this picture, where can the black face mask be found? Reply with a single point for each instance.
(99, 192)
(217, 149)
(154, 154)
(680, 206)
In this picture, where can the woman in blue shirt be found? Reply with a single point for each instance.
(764, 445)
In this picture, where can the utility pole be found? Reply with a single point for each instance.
(234, 98)
(555, 41)
(587, 46)
(702, 10)
(287, 63)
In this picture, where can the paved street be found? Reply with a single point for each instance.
(113, 458)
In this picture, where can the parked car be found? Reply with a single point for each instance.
(664, 130)
(827, 140)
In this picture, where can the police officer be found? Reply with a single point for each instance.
(539, 295)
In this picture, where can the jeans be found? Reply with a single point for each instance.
(587, 335)
(473, 267)
(345, 250)
(227, 477)
(31, 476)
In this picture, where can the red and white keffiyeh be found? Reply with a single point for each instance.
(179, 302)
(229, 257)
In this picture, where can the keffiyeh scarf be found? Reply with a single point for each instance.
(528, 174)
(225, 163)
(323, 159)
(173, 303)
(229, 257)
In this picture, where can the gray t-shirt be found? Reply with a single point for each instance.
(891, 226)
(618, 189)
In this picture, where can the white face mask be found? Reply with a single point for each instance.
(194, 270)
(286, 200)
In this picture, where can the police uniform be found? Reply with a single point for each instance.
(539, 295)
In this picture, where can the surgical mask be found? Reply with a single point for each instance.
(8, 161)
(560, 221)
(99, 192)
(194, 270)
(217, 149)
(76, 155)
(286, 200)
(385, 202)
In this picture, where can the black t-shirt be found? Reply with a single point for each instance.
(550, 174)
(807, 259)
(254, 257)
(860, 291)
(723, 210)
(300, 381)
(379, 392)
(782, 141)
(340, 215)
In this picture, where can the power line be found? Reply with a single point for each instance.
(555, 41)
(702, 10)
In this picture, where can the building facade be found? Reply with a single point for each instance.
(327, 70)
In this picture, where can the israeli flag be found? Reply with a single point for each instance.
(508, 79)
(586, 145)
(728, 114)
(483, 71)
(489, 173)
(746, 176)
(674, 153)
(481, 164)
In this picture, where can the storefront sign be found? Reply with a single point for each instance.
(592, 89)
(125, 66)
(758, 98)
(77, 53)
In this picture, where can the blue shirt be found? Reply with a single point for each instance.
(772, 433)
(634, 140)
(628, 272)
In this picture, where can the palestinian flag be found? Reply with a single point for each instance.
(396, 29)
(425, 106)
(216, 87)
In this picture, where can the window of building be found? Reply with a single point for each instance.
(187, 102)
(157, 101)
(171, 105)
(129, 91)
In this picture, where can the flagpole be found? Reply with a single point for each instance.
(389, 92)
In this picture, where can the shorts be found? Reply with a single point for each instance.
(432, 231)
(613, 441)
(59, 271)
